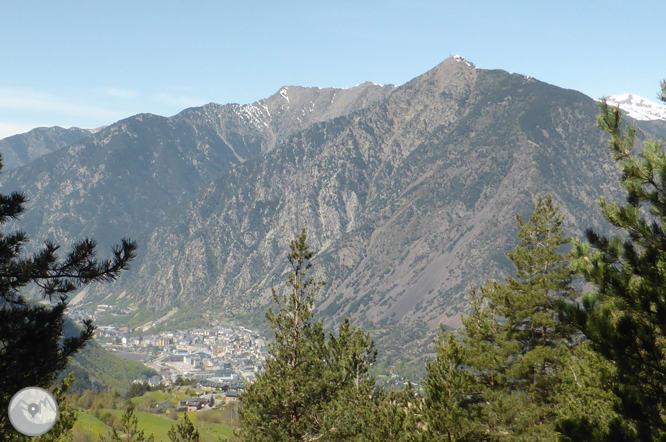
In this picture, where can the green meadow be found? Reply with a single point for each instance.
(155, 424)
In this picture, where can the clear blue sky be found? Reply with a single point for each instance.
(90, 63)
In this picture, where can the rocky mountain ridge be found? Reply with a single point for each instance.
(410, 202)
(124, 179)
(19, 150)
(409, 195)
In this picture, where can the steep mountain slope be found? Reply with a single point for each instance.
(127, 177)
(96, 368)
(19, 150)
(409, 202)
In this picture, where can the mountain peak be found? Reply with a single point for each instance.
(454, 62)
(638, 108)
(454, 75)
(459, 59)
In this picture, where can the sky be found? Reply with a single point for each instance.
(91, 63)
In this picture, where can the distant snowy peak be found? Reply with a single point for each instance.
(638, 108)
(460, 59)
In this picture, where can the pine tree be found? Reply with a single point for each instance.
(506, 373)
(451, 404)
(128, 430)
(32, 348)
(312, 386)
(395, 415)
(538, 344)
(626, 318)
(184, 431)
(466, 393)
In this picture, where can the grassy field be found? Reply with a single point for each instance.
(158, 396)
(150, 423)
(89, 424)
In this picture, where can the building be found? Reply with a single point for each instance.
(227, 375)
(204, 353)
(193, 360)
(231, 396)
(162, 406)
(191, 404)
(200, 375)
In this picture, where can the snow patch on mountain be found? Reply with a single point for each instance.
(460, 59)
(638, 108)
(283, 93)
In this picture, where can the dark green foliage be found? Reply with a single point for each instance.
(137, 390)
(184, 431)
(393, 416)
(515, 371)
(451, 404)
(32, 348)
(313, 387)
(626, 318)
(584, 430)
(180, 381)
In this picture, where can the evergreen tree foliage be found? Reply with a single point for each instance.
(128, 430)
(137, 389)
(32, 348)
(585, 392)
(395, 415)
(184, 431)
(313, 387)
(508, 372)
(625, 319)
(180, 382)
(451, 404)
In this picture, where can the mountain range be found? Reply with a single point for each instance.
(19, 150)
(124, 179)
(409, 195)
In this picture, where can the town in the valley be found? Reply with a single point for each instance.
(220, 357)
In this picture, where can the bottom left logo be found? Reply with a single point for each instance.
(33, 411)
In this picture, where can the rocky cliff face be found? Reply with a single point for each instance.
(409, 202)
(409, 194)
(129, 176)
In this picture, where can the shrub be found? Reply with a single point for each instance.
(171, 414)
